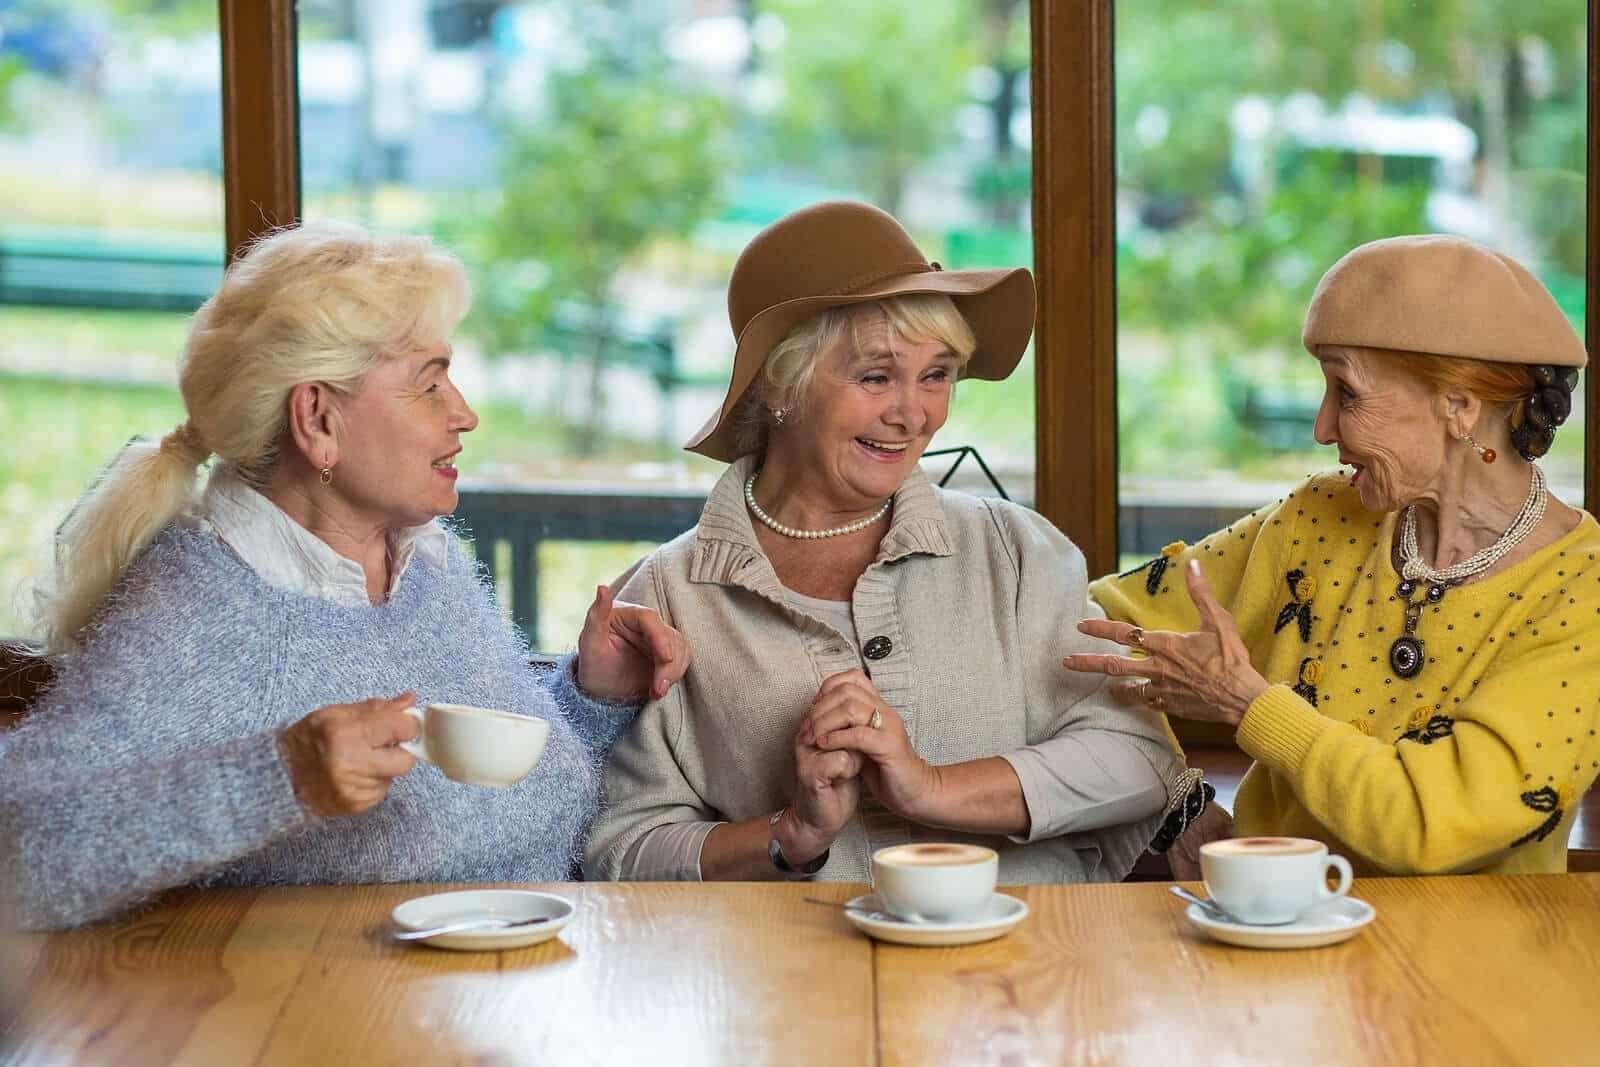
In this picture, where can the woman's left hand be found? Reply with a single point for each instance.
(848, 713)
(627, 653)
(1206, 675)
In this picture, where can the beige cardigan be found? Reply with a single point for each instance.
(979, 600)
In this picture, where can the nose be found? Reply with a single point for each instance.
(906, 412)
(1325, 429)
(464, 419)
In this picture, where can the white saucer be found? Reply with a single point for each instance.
(999, 915)
(437, 909)
(1326, 924)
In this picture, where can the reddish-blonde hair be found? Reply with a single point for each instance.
(1492, 383)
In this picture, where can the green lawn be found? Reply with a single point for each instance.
(92, 335)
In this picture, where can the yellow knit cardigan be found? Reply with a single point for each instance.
(1475, 764)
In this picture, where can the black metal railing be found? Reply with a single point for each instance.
(507, 526)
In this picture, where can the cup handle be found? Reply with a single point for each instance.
(1346, 876)
(417, 748)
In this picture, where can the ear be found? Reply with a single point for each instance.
(313, 424)
(1460, 411)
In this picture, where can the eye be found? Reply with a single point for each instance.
(875, 377)
(938, 374)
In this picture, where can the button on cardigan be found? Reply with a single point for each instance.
(973, 603)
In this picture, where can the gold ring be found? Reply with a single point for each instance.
(1135, 637)
(876, 722)
(1157, 701)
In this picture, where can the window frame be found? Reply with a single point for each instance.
(1074, 238)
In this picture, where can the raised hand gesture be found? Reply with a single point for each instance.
(627, 653)
(1206, 675)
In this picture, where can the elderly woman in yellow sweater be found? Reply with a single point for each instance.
(1411, 651)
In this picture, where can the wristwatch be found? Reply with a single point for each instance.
(775, 853)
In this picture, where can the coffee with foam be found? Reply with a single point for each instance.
(1270, 880)
(935, 881)
(1265, 846)
(934, 855)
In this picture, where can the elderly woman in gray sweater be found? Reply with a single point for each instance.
(234, 671)
(878, 661)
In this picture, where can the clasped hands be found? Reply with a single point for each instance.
(850, 738)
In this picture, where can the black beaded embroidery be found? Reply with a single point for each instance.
(1435, 729)
(1303, 686)
(1156, 570)
(1543, 799)
(1408, 654)
(1298, 609)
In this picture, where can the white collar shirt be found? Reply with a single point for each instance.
(289, 557)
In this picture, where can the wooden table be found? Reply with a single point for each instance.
(1455, 970)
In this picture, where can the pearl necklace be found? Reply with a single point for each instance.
(1413, 568)
(790, 531)
(1408, 653)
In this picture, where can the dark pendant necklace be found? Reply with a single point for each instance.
(1408, 653)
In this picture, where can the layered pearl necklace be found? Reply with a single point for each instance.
(1408, 654)
(805, 535)
(1413, 568)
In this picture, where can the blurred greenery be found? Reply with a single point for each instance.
(870, 94)
(1224, 236)
(620, 156)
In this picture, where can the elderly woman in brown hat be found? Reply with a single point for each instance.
(1410, 650)
(877, 660)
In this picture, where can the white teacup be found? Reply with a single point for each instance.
(478, 746)
(1271, 880)
(934, 882)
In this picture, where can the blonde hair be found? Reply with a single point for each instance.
(786, 376)
(318, 303)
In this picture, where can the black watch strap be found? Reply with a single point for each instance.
(775, 853)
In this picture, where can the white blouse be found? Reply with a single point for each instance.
(290, 557)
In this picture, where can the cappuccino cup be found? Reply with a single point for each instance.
(1271, 880)
(934, 882)
(478, 746)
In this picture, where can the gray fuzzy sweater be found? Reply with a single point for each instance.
(153, 761)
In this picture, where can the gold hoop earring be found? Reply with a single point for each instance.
(327, 475)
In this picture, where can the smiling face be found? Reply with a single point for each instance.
(876, 400)
(1389, 426)
(398, 437)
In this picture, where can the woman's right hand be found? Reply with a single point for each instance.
(341, 758)
(827, 787)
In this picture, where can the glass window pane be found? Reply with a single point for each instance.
(111, 233)
(599, 167)
(1258, 142)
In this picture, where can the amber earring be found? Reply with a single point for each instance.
(1485, 454)
(327, 475)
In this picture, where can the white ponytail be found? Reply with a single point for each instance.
(319, 303)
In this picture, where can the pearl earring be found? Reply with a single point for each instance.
(780, 415)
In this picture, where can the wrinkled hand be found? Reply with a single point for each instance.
(840, 721)
(827, 788)
(626, 653)
(1214, 824)
(341, 758)
(1205, 675)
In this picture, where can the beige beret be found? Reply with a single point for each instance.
(1443, 296)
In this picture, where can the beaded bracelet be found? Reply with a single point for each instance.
(1178, 820)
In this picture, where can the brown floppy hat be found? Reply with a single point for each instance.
(839, 253)
(1441, 296)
